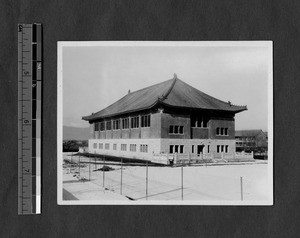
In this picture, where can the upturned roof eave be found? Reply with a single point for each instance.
(159, 101)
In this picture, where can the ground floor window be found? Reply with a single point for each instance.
(95, 145)
(208, 149)
(181, 149)
(114, 146)
(123, 147)
(222, 148)
(144, 148)
(133, 147)
(176, 149)
(106, 146)
(100, 146)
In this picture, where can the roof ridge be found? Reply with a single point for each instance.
(164, 96)
(148, 87)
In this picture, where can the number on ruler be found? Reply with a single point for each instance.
(39, 65)
(20, 28)
(25, 72)
(26, 121)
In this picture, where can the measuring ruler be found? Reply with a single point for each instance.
(29, 117)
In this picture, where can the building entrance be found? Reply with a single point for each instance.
(200, 149)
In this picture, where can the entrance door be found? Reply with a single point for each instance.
(200, 149)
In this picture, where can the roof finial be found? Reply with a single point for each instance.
(128, 91)
(175, 76)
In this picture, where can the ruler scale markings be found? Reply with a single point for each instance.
(29, 126)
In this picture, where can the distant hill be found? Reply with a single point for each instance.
(75, 133)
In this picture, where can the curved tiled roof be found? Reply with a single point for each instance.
(173, 92)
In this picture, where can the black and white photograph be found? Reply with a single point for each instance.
(165, 123)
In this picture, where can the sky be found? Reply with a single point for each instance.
(93, 77)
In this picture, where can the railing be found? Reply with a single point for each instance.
(164, 158)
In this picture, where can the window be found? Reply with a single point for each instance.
(102, 126)
(144, 148)
(116, 124)
(218, 149)
(222, 131)
(176, 129)
(125, 123)
(199, 121)
(181, 130)
(133, 147)
(226, 149)
(145, 121)
(108, 125)
(222, 148)
(135, 122)
(171, 129)
(123, 147)
(107, 146)
(181, 149)
(114, 146)
(95, 145)
(176, 148)
(100, 146)
(193, 149)
(226, 131)
(171, 149)
(208, 149)
(96, 126)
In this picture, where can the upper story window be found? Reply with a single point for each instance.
(135, 122)
(221, 131)
(116, 124)
(102, 126)
(125, 123)
(96, 126)
(174, 129)
(145, 121)
(108, 125)
(199, 121)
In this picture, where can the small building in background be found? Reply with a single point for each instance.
(171, 117)
(252, 140)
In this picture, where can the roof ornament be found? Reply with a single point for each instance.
(175, 76)
(229, 103)
(129, 91)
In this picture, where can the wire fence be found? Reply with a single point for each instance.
(146, 181)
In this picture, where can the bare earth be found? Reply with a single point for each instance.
(200, 183)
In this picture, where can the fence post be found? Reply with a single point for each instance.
(147, 180)
(72, 157)
(241, 179)
(89, 167)
(181, 181)
(121, 175)
(103, 170)
(79, 165)
(95, 160)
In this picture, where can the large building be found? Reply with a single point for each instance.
(171, 117)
